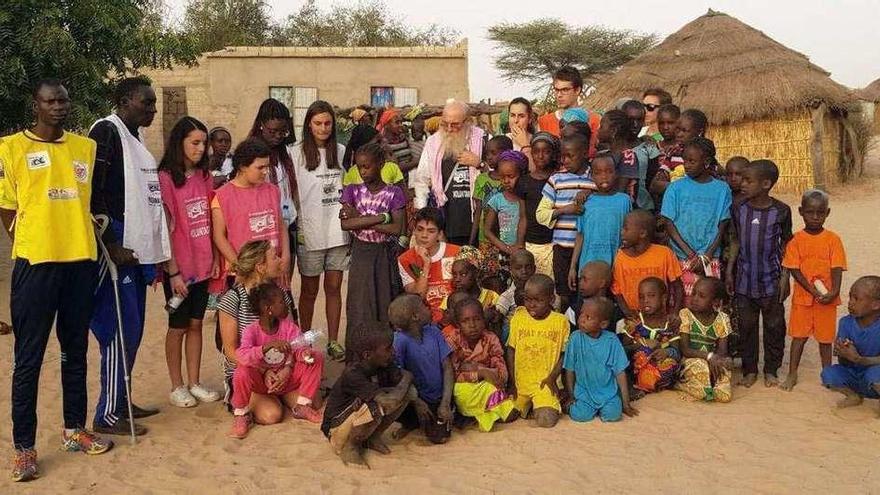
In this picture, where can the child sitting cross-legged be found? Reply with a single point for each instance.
(478, 364)
(704, 331)
(368, 397)
(857, 375)
(595, 365)
(535, 349)
(268, 365)
(654, 339)
(419, 347)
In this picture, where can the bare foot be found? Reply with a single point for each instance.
(748, 380)
(376, 443)
(770, 381)
(789, 383)
(352, 457)
(851, 400)
(401, 433)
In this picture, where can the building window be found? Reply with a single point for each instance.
(297, 99)
(387, 96)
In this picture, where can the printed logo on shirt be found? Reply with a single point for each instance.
(37, 160)
(154, 198)
(755, 221)
(261, 222)
(196, 208)
(446, 268)
(62, 193)
(80, 171)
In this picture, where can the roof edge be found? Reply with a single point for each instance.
(459, 50)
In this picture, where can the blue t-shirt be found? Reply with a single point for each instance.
(600, 224)
(424, 360)
(696, 209)
(508, 217)
(596, 364)
(866, 340)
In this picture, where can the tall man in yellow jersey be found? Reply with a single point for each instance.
(45, 190)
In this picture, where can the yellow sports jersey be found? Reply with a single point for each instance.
(48, 185)
(538, 345)
(390, 174)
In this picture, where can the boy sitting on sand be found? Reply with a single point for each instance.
(535, 348)
(369, 395)
(857, 375)
(420, 348)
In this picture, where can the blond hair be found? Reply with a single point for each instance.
(251, 254)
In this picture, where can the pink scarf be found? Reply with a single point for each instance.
(432, 148)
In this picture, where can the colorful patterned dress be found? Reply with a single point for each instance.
(696, 378)
(651, 376)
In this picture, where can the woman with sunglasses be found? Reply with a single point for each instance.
(653, 98)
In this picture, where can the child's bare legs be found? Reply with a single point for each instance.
(333, 302)
(193, 350)
(173, 344)
(794, 361)
(825, 354)
(546, 417)
(307, 296)
(266, 409)
(374, 440)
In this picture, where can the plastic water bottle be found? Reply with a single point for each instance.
(307, 339)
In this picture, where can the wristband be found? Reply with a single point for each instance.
(709, 356)
(172, 275)
(386, 218)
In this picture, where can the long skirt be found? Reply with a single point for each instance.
(653, 376)
(696, 381)
(483, 402)
(372, 283)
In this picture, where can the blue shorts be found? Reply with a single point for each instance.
(857, 378)
(583, 410)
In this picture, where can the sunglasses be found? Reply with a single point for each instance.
(651, 107)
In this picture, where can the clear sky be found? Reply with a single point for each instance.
(841, 36)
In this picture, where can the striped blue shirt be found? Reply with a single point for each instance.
(560, 190)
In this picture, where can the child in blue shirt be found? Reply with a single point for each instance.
(598, 227)
(421, 349)
(857, 346)
(697, 211)
(595, 365)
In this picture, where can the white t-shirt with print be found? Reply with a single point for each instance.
(319, 193)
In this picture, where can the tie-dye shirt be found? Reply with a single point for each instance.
(388, 200)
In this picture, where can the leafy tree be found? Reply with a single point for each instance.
(87, 44)
(367, 23)
(533, 51)
(219, 23)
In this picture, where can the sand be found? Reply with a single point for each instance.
(765, 441)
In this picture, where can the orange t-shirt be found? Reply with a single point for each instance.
(439, 274)
(658, 261)
(815, 256)
(549, 122)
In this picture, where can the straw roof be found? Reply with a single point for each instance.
(726, 68)
(871, 92)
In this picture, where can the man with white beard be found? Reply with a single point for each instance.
(448, 169)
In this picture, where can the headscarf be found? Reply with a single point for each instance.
(432, 125)
(517, 157)
(575, 115)
(386, 117)
(357, 114)
(473, 256)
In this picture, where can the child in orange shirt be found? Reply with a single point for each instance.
(639, 259)
(816, 260)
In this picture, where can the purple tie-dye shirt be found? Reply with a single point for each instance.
(387, 200)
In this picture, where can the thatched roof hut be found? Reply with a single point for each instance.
(763, 100)
(871, 92)
(870, 95)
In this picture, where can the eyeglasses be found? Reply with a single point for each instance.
(651, 107)
(451, 125)
(280, 132)
(568, 89)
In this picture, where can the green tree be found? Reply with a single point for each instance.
(215, 24)
(88, 44)
(367, 23)
(533, 51)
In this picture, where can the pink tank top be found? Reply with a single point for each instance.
(251, 214)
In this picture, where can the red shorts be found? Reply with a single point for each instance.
(818, 321)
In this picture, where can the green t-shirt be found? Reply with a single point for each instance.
(484, 188)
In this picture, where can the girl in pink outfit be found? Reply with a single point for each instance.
(268, 365)
(247, 208)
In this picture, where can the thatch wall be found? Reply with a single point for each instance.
(786, 140)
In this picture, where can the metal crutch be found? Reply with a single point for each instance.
(101, 223)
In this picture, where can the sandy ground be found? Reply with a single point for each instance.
(765, 441)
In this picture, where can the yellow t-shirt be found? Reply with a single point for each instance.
(49, 186)
(488, 298)
(391, 174)
(538, 345)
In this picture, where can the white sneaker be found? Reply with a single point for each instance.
(181, 397)
(203, 394)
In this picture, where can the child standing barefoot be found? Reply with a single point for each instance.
(505, 214)
(816, 259)
(857, 375)
(478, 364)
(368, 397)
(704, 332)
(536, 345)
(594, 367)
(656, 357)
(268, 365)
